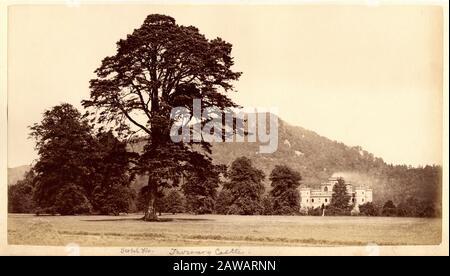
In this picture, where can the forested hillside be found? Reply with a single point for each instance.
(317, 158)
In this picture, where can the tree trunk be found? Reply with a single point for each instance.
(150, 213)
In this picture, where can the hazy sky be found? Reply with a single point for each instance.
(368, 76)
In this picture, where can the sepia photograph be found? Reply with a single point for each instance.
(224, 129)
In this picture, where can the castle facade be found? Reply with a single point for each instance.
(313, 198)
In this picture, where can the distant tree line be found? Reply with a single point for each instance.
(410, 207)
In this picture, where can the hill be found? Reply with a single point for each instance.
(17, 173)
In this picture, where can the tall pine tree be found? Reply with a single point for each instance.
(159, 66)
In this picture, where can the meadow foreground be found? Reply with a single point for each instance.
(220, 230)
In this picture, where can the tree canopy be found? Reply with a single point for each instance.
(244, 189)
(285, 196)
(64, 144)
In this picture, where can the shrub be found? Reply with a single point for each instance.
(389, 209)
(198, 204)
(315, 211)
(267, 205)
(335, 211)
(113, 200)
(71, 200)
(415, 208)
(369, 209)
(20, 198)
(303, 211)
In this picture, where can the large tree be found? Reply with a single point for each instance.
(91, 170)
(200, 186)
(159, 66)
(65, 146)
(244, 189)
(286, 198)
(112, 193)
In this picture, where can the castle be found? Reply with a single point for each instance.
(313, 198)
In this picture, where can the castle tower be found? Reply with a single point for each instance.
(360, 196)
(305, 197)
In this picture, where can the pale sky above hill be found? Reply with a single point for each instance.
(368, 76)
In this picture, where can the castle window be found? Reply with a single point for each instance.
(326, 200)
(353, 200)
(306, 201)
(362, 200)
(325, 189)
(312, 200)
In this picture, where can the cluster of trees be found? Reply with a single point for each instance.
(79, 171)
(242, 192)
(411, 207)
(82, 170)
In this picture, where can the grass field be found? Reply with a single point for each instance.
(217, 230)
